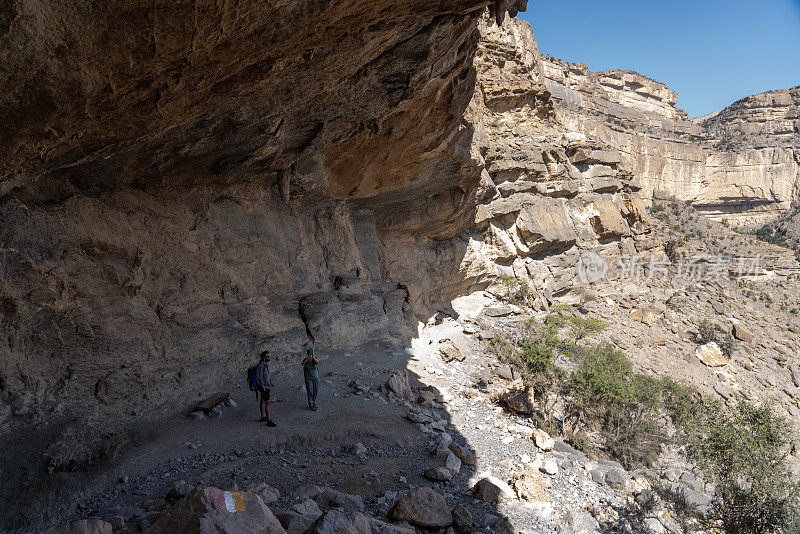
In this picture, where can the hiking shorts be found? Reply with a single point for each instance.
(264, 394)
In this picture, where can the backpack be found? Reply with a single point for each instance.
(251, 379)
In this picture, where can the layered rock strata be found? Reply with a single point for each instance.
(183, 184)
(173, 205)
(545, 194)
(740, 164)
(759, 121)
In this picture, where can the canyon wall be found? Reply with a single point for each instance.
(174, 205)
(186, 183)
(741, 164)
(183, 185)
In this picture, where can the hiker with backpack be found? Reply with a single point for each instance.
(311, 376)
(259, 380)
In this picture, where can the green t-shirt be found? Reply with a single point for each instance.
(310, 370)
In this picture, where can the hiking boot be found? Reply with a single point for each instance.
(263, 419)
(271, 423)
(313, 408)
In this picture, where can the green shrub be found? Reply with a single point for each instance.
(604, 376)
(742, 450)
(499, 342)
(709, 331)
(580, 326)
(523, 295)
(633, 435)
(680, 401)
(581, 442)
(606, 394)
(537, 348)
(774, 235)
(727, 344)
(515, 291)
(583, 326)
(533, 357)
(706, 332)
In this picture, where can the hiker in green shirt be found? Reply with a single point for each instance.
(311, 376)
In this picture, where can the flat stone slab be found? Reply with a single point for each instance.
(212, 402)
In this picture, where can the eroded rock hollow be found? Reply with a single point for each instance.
(185, 183)
(155, 232)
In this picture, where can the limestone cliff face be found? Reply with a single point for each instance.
(742, 163)
(176, 197)
(184, 183)
(760, 120)
(555, 191)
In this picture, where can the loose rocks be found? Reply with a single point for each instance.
(339, 522)
(210, 507)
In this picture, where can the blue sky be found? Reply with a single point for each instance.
(712, 52)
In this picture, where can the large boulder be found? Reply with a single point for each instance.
(528, 486)
(293, 522)
(438, 474)
(491, 489)
(606, 220)
(398, 384)
(307, 508)
(543, 440)
(450, 352)
(423, 508)
(644, 315)
(332, 498)
(462, 519)
(267, 493)
(742, 334)
(578, 522)
(516, 396)
(545, 225)
(697, 500)
(711, 355)
(213, 511)
(464, 453)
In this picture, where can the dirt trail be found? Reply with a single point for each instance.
(305, 447)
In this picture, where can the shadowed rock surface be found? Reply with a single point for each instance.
(138, 262)
(184, 184)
